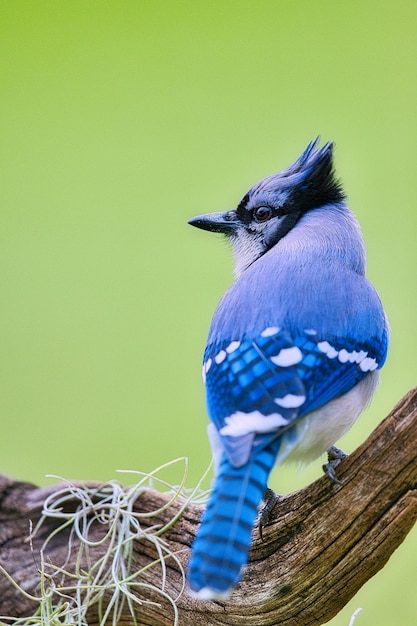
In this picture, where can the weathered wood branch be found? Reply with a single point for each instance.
(323, 543)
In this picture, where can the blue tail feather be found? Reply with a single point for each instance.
(221, 547)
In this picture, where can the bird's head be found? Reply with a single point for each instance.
(273, 206)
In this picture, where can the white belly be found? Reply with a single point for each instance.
(321, 429)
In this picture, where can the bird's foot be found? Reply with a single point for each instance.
(270, 499)
(334, 456)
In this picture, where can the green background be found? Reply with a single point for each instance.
(119, 121)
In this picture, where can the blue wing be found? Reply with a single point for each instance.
(258, 387)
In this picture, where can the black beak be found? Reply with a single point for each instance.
(225, 223)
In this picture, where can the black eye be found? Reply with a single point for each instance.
(262, 213)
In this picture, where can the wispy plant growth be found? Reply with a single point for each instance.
(108, 582)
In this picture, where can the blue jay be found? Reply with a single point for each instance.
(293, 351)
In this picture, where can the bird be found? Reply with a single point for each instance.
(293, 352)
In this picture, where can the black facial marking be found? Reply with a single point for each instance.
(284, 227)
(319, 187)
(242, 204)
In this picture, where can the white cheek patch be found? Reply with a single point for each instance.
(247, 247)
(240, 424)
(287, 357)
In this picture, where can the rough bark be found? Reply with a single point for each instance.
(321, 545)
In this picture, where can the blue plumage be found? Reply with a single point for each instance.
(243, 377)
(224, 537)
(293, 352)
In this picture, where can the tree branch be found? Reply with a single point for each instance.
(321, 545)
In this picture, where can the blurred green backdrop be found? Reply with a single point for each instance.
(120, 120)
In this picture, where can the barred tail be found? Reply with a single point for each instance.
(221, 547)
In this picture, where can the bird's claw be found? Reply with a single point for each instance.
(270, 499)
(334, 456)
